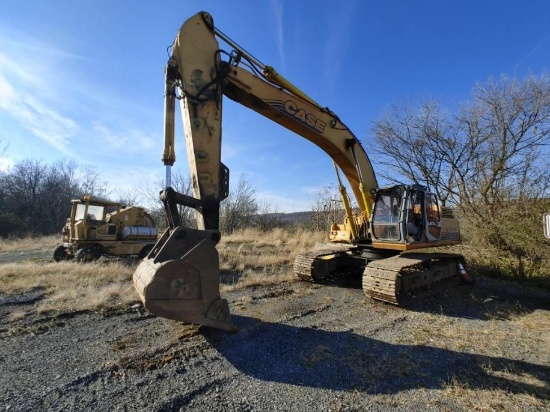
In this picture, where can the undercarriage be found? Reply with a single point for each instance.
(395, 279)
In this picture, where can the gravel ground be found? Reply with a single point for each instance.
(301, 347)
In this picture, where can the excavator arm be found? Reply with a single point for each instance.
(197, 71)
(179, 279)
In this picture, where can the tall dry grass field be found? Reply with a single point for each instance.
(251, 257)
(247, 258)
(29, 243)
(70, 286)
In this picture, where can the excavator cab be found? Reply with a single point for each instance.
(408, 215)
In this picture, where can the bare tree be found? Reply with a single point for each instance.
(35, 197)
(181, 184)
(22, 189)
(266, 218)
(240, 207)
(327, 209)
(92, 185)
(59, 186)
(488, 158)
(3, 149)
(130, 197)
(408, 140)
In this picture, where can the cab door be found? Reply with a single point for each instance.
(433, 218)
(387, 219)
(423, 216)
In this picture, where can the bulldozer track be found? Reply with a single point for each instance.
(399, 280)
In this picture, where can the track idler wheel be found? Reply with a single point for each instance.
(179, 279)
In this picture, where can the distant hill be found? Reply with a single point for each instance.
(294, 217)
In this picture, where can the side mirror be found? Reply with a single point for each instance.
(547, 225)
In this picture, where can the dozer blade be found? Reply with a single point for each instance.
(179, 279)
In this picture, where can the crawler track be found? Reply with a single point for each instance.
(323, 264)
(399, 279)
(306, 265)
(396, 280)
(303, 265)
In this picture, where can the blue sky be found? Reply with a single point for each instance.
(83, 80)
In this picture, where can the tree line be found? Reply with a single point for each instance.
(35, 199)
(23, 193)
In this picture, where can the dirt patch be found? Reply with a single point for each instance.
(36, 255)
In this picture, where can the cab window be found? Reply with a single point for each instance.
(432, 209)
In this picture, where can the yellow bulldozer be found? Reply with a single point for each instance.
(96, 228)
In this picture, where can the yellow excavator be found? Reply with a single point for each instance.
(379, 238)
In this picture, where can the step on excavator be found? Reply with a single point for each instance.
(380, 239)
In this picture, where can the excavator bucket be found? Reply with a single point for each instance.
(179, 279)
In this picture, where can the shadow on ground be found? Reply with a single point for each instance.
(345, 361)
(485, 299)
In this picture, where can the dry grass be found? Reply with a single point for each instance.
(70, 286)
(537, 321)
(486, 337)
(257, 258)
(29, 243)
(497, 399)
(254, 278)
(253, 257)
(489, 262)
(486, 340)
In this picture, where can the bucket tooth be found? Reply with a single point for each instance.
(179, 279)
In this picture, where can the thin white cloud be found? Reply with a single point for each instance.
(130, 140)
(338, 37)
(42, 94)
(532, 51)
(231, 150)
(6, 164)
(31, 88)
(22, 98)
(278, 8)
(311, 190)
(283, 204)
(34, 45)
(122, 179)
(7, 93)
